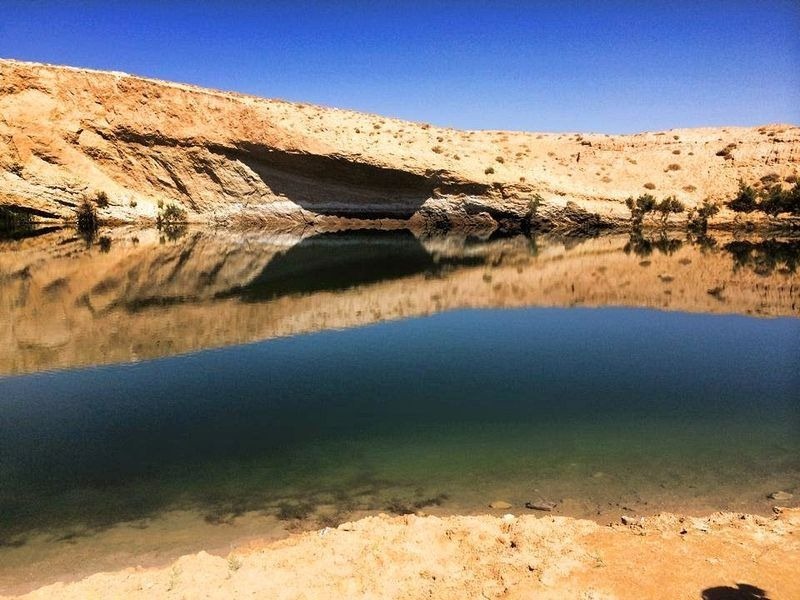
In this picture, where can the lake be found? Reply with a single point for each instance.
(164, 394)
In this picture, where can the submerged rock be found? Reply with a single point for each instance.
(500, 505)
(780, 496)
(542, 505)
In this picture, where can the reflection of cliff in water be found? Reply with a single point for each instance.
(765, 257)
(133, 294)
(340, 261)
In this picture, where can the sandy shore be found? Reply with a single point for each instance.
(666, 556)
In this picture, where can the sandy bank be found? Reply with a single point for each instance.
(665, 556)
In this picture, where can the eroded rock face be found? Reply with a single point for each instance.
(67, 133)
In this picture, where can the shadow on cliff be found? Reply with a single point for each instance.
(339, 186)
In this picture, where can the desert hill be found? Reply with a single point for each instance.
(68, 133)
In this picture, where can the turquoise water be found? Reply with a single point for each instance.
(588, 406)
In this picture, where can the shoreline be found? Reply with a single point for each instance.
(505, 556)
(155, 542)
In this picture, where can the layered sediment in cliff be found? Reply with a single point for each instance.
(68, 133)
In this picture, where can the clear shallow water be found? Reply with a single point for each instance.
(599, 409)
(470, 404)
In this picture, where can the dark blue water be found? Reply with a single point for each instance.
(593, 404)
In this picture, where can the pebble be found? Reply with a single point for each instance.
(780, 496)
(546, 506)
(626, 520)
(500, 505)
(700, 526)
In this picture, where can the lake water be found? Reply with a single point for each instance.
(159, 396)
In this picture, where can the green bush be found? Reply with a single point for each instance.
(669, 205)
(776, 200)
(698, 217)
(171, 214)
(639, 208)
(745, 201)
(773, 200)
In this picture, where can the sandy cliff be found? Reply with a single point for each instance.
(66, 133)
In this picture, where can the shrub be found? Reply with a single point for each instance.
(698, 217)
(101, 199)
(669, 205)
(172, 214)
(676, 152)
(673, 167)
(689, 188)
(437, 149)
(86, 218)
(500, 159)
(639, 207)
(489, 170)
(133, 203)
(770, 179)
(727, 150)
(776, 200)
(745, 201)
(772, 201)
(649, 186)
(533, 206)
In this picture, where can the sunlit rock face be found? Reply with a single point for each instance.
(67, 134)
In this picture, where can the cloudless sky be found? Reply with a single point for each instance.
(614, 66)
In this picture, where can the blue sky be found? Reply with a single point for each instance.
(549, 66)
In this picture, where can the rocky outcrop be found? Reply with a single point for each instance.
(67, 133)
